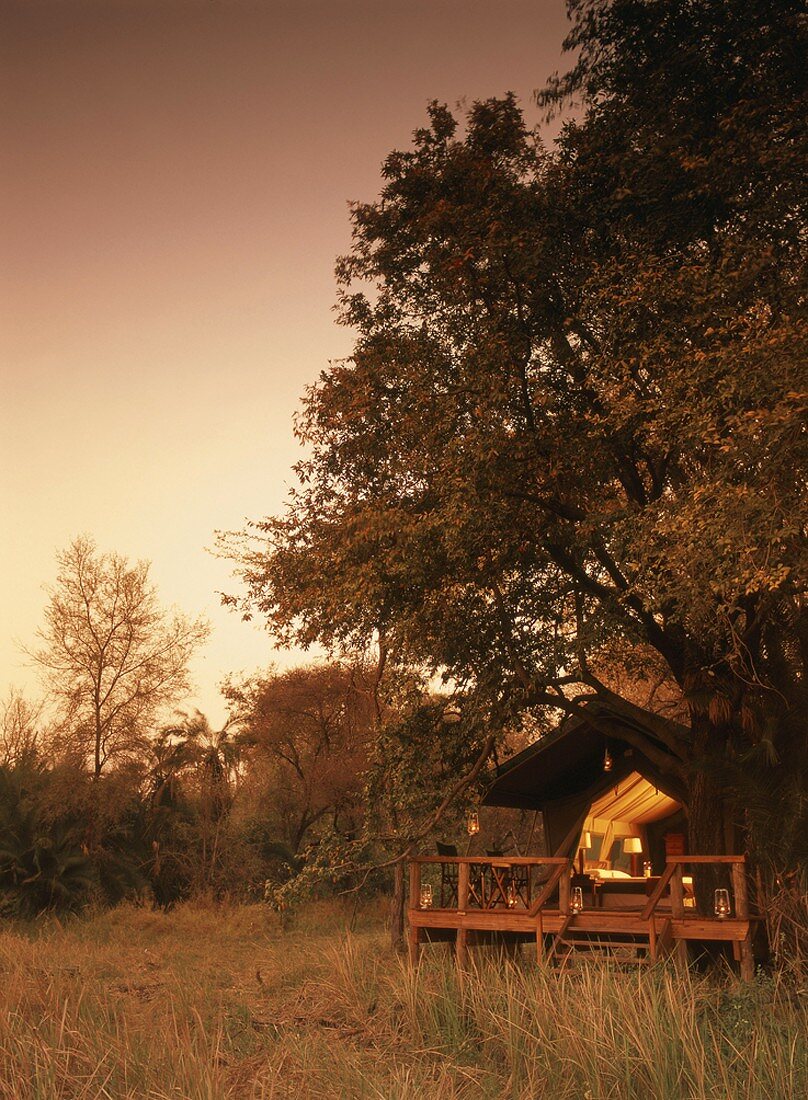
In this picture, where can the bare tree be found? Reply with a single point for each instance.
(111, 655)
(19, 728)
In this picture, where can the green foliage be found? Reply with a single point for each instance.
(306, 733)
(42, 865)
(67, 837)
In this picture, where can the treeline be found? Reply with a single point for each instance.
(107, 791)
(232, 810)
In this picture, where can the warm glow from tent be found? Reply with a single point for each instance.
(622, 811)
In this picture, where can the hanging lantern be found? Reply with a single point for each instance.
(426, 896)
(722, 906)
(473, 823)
(608, 761)
(512, 895)
(576, 899)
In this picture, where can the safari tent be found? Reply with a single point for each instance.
(617, 873)
(598, 796)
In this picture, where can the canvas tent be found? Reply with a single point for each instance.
(563, 776)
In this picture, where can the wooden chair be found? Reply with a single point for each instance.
(448, 876)
(449, 880)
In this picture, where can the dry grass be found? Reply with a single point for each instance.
(217, 1002)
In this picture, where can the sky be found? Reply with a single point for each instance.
(174, 194)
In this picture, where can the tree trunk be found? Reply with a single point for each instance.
(397, 907)
(98, 734)
(707, 796)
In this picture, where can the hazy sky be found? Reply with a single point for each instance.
(173, 196)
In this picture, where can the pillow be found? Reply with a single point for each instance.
(605, 872)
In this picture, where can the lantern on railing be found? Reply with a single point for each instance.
(473, 823)
(511, 895)
(722, 905)
(426, 896)
(576, 899)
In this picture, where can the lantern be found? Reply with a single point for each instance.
(722, 906)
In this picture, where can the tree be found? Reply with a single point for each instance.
(207, 759)
(573, 420)
(309, 731)
(111, 656)
(19, 729)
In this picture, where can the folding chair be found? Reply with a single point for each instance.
(448, 876)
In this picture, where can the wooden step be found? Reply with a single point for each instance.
(570, 957)
(630, 948)
(608, 945)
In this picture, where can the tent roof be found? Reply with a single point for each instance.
(556, 766)
(629, 804)
(567, 764)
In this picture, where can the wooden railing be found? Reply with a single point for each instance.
(530, 882)
(532, 895)
(492, 882)
(673, 876)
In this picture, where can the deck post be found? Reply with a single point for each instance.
(564, 892)
(414, 934)
(739, 888)
(677, 894)
(740, 891)
(461, 952)
(415, 884)
(678, 911)
(413, 944)
(539, 938)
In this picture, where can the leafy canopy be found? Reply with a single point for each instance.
(574, 415)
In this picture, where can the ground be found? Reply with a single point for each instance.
(212, 1001)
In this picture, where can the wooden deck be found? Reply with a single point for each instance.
(531, 899)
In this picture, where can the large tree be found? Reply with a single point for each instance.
(572, 423)
(111, 655)
(308, 730)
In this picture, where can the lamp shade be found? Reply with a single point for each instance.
(632, 845)
(586, 841)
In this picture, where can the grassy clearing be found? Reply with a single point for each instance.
(217, 1002)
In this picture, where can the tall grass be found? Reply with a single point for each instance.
(216, 1002)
